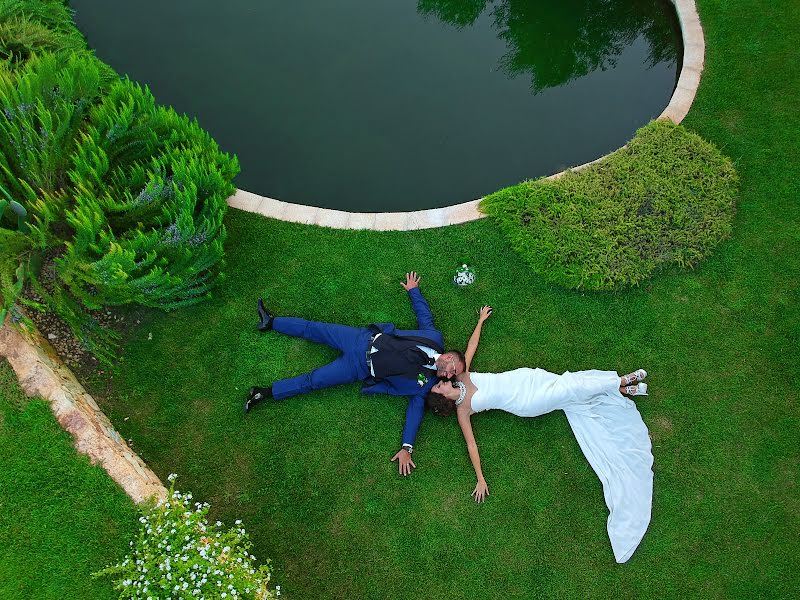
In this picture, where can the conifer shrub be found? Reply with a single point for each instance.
(667, 198)
(30, 27)
(125, 198)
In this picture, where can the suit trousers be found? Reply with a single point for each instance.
(351, 366)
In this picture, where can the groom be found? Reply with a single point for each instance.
(388, 360)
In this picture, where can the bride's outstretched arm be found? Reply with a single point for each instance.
(472, 345)
(481, 489)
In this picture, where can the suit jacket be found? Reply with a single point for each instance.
(427, 335)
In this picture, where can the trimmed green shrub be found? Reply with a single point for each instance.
(125, 198)
(180, 554)
(666, 198)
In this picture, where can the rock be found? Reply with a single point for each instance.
(41, 373)
(52, 336)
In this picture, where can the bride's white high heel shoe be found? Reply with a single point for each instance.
(635, 377)
(639, 389)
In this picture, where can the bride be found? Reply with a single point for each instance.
(607, 425)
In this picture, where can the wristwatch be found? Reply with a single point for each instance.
(408, 448)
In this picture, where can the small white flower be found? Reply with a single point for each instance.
(172, 477)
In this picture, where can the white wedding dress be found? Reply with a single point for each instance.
(609, 430)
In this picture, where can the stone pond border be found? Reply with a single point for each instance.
(42, 373)
(676, 110)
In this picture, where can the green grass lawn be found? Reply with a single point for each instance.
(311, 477)
(60, 518)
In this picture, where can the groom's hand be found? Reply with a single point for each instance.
(405, 464)
(412, 281)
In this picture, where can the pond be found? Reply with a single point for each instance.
(396, 105)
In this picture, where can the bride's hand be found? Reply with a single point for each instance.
(485, 313)
(481, 491)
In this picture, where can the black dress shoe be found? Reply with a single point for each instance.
(264, 316)
(256, 395)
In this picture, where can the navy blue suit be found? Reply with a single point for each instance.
(351, 366)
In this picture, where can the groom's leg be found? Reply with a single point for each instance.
(342, 370)
(341, 337)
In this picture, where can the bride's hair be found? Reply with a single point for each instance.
(439, 405)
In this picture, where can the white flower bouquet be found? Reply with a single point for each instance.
(465, 275)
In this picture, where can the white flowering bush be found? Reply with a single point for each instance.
(179, 554)
(465, 275)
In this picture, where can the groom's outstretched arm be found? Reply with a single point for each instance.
(418, 304)
(414, 412)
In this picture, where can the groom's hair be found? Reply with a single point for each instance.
(439, 405)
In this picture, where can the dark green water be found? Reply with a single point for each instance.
(394, 105)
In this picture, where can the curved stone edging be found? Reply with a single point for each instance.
(676, 110)
(41, 373)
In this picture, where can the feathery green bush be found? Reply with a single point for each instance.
(666, 198)
(125, 197)
(29, 27)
